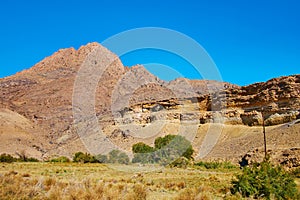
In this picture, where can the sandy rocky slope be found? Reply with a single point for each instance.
(41, 113)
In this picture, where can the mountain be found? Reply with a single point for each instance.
(51, 108)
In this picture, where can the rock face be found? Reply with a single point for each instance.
(278, 97)
(276, 101)
(127, 99)
(43, 95)
(289, 158)
(252, 118)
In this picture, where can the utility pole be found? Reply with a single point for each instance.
(264, 132)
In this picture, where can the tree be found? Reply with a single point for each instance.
(123, 158)
(182, 146)
(116, 156)
(166, 150)
(163, 141)
(142, 148)
(174, 146)
(144, 158)
(84, 158)
(101, 158)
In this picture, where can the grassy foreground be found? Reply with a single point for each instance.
(99, 181)
(102, 181)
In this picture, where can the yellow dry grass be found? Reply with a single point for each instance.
(98, 181)
(55, 181)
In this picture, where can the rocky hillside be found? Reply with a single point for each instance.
(37, 105)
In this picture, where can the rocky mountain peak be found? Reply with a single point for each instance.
(43, 97)
(63, 63)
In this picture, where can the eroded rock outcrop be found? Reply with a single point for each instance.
(127, 96)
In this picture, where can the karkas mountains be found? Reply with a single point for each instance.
(37, 111)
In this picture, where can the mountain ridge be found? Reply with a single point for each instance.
(132, 96)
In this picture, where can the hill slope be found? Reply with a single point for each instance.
(131, 105)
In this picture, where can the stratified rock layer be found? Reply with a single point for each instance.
(127, 101)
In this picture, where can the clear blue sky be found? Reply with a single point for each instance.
(249, 40)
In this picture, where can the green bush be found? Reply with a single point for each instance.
(7, 158)
(161, 142)
(143, 153)
(215, 165)
(183, 146)
(142, 148)
(101, 158)
(123, 159)
(181, 162)
(144, 158)
(23, 157)
(116, 156)
(30, 159)
(79, 157)
(209, 165)
(84, 158)
(167, 149)
(61, 159)
(171, 147)
(263, 180)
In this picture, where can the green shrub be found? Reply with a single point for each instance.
(144, 158)
(30, 159)
(142, 148)
(84, 158)
(61, 159)
(143, 153)
(7, 158)
(79, 157)
(161, 142)
(174, 145)
(181, 162)
(167, 149)
(264, 180)
(101, 158)
(116, 156)
(209, 165)
(123, 159)
(215, 165)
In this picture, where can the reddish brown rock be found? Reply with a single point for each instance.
(43, 95)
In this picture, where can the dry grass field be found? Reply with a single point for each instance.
(98, 181)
